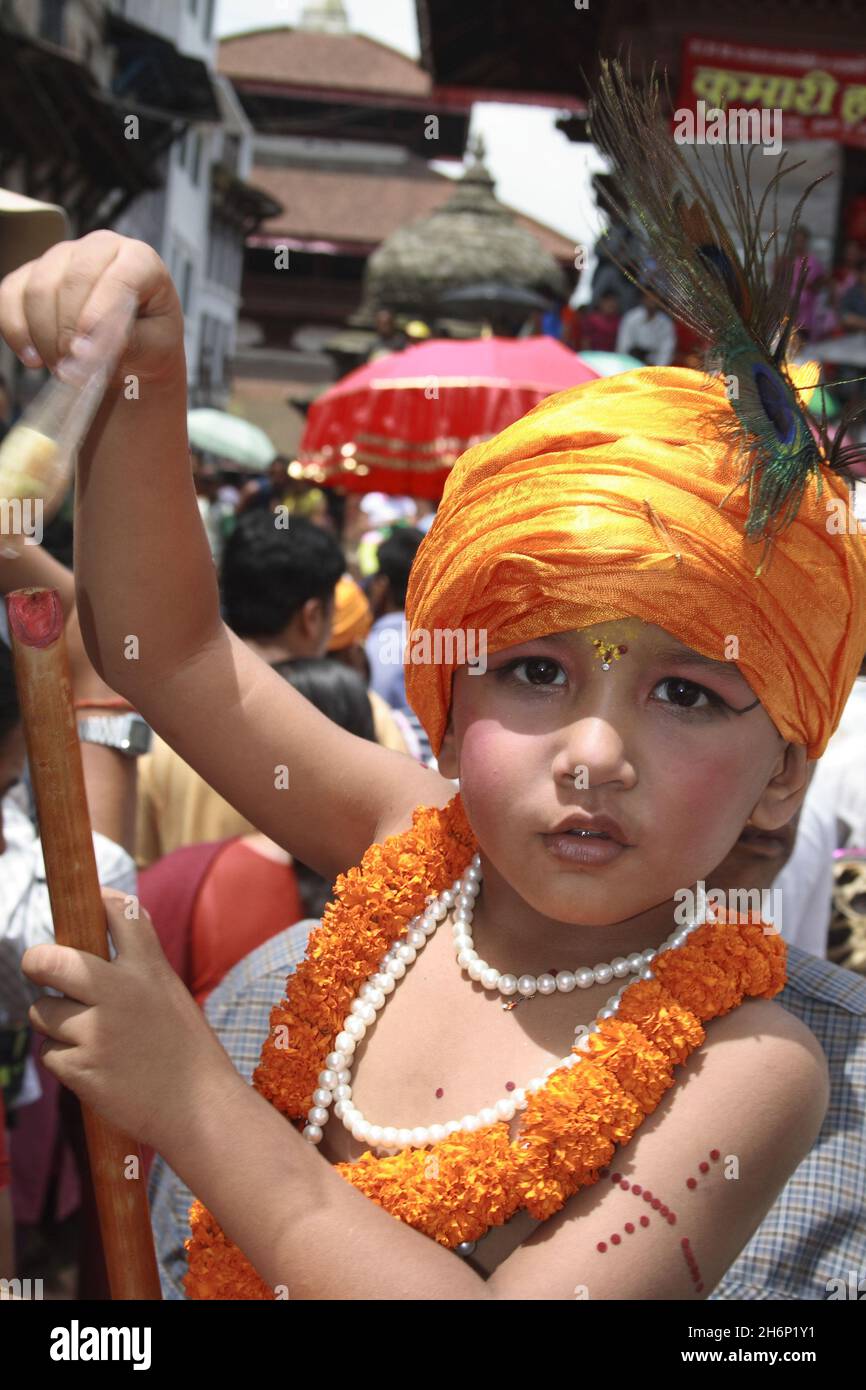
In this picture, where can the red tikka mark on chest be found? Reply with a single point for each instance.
(509, 1086)
(692, 1264)
(644, 1194)
(703, 1167)
(640, 1192)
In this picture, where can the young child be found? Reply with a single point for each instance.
(644, 695)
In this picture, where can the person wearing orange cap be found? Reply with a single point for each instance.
(650, 680)
(353, 618)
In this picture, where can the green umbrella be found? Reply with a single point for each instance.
(610, 363)
(229, 437)
(831, 405)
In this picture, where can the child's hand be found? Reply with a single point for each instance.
(67, 291)
(128, 1039)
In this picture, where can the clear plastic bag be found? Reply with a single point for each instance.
(37, 456)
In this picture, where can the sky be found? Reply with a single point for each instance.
(536, 169)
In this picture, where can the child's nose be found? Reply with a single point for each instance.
(593, 752)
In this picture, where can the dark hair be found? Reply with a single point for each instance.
(270, 571)
(336, 690)
(341, 695)
(395, 556)
(10, 710)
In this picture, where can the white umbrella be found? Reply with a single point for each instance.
(849, 350)
(229, 437)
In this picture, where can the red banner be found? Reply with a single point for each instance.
(822, 96)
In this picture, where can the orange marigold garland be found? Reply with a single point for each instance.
(455, 1190)
(374, 904)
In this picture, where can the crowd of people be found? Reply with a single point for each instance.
(626, 317)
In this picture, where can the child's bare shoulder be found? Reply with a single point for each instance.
(765, 1038)
(764, 1067)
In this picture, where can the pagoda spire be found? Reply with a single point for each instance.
(325, 17)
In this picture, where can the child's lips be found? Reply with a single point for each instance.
(583, 849)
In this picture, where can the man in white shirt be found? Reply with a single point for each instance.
(648, 333)
(833, 814)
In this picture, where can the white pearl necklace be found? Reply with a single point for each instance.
(335, 1081)
(527, 986)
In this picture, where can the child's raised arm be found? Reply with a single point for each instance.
(146, 587)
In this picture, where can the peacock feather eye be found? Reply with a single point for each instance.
(777, 400)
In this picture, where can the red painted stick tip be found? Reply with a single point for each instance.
(35, 616)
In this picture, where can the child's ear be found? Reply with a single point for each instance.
(783, 794)
(446, 758)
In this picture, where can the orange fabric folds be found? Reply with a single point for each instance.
(604, 501)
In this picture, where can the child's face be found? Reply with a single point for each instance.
(661, 752)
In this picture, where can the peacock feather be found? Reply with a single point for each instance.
(726, 295)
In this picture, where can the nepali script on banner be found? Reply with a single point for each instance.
(822, 96)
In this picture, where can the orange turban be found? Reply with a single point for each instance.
(603, 502)
(353, 617)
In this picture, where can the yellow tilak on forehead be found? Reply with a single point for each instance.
(607, 652)
(612, 651)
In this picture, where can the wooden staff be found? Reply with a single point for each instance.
(45, 694)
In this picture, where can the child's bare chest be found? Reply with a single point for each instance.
(443, 1048)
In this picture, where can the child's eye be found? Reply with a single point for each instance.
(686, 695)
(540, 670)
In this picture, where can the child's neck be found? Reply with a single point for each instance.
(513, 937)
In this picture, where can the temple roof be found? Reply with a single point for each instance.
(307, 58)
(471, 238)
(359, 209)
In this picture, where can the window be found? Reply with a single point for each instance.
(217, 353)
(231, 152)
(204, 350)
(196, 144)
(212, 346)
(51, 25)
(185, 283)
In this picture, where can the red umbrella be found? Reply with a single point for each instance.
(397, 424)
